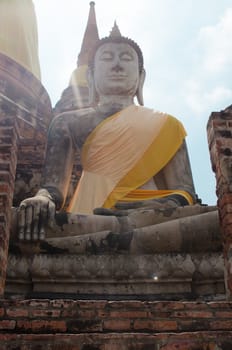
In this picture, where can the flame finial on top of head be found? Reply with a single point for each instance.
(115, 32)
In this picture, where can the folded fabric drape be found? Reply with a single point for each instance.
(124, 152)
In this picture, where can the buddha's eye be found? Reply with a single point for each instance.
(126, 56)
(106, 56)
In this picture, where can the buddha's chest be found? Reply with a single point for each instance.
(83, 127)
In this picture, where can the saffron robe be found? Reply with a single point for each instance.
(122, 153)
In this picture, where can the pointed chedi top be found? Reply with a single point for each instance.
(115, 32)
(91, 37)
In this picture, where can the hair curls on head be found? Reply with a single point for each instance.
(117, 39)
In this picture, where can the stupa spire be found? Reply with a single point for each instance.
(90, 38)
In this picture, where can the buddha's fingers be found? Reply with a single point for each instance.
(43, 219)
(21, 221)
(36, 221)
(51, 213)
(29, 220)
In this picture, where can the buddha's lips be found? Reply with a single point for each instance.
(117, 76)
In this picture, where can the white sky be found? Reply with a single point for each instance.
(187, 49)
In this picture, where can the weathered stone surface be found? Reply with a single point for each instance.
(25, 111)
(73, 97)
(139, 232)
(172, 274)
(180, 235)
(23, 97)
(220, 144)
(9, 136)
(113, 341)
(123, 260)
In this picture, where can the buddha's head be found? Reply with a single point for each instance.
(116, 68)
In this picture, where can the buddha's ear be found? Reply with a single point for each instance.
(93, 99)
(139, 92)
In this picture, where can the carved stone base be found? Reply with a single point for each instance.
(159, 275)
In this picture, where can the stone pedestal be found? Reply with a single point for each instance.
(180, 258)
(25, 111)
(220, 145)
(156, 276)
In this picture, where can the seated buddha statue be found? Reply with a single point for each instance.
(132, 157)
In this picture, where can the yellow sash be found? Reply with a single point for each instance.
(141, 195)
(124, 152)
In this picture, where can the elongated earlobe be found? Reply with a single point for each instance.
(139, 92)
(93, 98)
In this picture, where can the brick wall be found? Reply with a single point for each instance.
(115, 325)
(220, 144)
(8, 159)
(25, 111)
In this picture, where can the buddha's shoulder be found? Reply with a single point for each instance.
(74, 117)
(76, 114)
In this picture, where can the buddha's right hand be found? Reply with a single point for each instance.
(33, 215)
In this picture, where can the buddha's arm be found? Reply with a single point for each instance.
(59, 160)
(39, 210)
(177, 175)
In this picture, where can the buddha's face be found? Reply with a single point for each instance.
(116, 69)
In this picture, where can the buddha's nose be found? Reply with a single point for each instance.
(117, 68)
